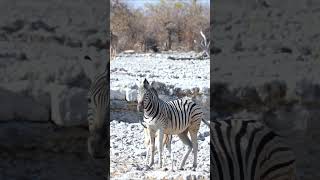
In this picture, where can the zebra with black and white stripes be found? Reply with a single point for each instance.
(173, 117)
(98, 101)
(244, 149)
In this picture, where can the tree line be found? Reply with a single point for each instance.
(167, 25)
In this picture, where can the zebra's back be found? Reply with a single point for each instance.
(180, 114)
(245, 149)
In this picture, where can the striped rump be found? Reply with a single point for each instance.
(243, 149)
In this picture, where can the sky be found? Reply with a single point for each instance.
(140, 3)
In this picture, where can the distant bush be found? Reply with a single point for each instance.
(168, 25)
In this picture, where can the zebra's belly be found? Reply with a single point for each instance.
(166, 130)
(173, 127)
(169, 126)
(174, 131)
(154, 125)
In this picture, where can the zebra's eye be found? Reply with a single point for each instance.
(89, 100)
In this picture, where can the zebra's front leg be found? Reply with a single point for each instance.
(160, 147)
(170, 151)
(148, 154)
(151, 146)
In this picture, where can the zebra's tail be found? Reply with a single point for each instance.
(206, 122)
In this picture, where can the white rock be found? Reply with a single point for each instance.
(171, 92)
(129, 51)
(131, 94)
(68, 105)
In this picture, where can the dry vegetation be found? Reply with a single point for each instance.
(167, 25)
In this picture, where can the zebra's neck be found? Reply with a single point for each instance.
(152, 109)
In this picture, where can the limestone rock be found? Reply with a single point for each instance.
(131, 94)
(68, 105)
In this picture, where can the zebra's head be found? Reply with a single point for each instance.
(97, 112)
(142, 95)
(145, 94)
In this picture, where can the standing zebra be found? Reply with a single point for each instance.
(243, 149)
(173, 117)
(98, 100)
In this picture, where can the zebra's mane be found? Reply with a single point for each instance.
(154, 91)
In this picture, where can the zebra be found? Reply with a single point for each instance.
(98, 101)
(173, 117)
(245, 149)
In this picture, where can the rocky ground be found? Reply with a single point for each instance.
(266, 62)
(128, 154)
(184, 74)
(44, 80)
(46, 151)
(172, 79)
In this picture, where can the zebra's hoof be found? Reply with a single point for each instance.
(147, 167)
(165, 169)
(194, 167)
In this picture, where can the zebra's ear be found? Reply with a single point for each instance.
(146, 84)
(87, 58)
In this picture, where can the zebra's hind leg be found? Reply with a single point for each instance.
(194, 139)
(185, 139)
(167, 141)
